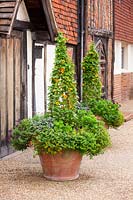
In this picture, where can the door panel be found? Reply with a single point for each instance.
(10, 79)
(3, 92)
(17, 73)
(39, 79)
(102, 49)
(11, 90)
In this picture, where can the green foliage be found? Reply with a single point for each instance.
(84, 134)
(91, 79)
(62, 92)
(66, 115)
(109, 112)
(92, 88)
(22, 135)
(65, 127)
(27, 129)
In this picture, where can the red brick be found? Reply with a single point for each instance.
(124, 20)
(66, 16)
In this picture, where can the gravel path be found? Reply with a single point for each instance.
(106, 177)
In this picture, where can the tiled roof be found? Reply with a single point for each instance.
(66, 16)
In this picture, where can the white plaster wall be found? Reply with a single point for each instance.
(29, 75)
(126, 68)
(39, 83)
(22, 13)
(130, 58)
(49, 65)
(117, 64)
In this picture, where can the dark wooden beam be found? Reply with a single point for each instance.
(22, 25)
(47, 7)
(4, 28)
(40, 36)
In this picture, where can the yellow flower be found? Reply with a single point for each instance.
(64, 96)
(57, 103)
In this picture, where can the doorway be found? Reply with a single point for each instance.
(39, 79)
(102, 49)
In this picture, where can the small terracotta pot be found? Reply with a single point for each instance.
(61, 166)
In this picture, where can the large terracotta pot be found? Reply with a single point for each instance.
(61, 166)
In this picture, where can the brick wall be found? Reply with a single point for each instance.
(131, 87)
(66, 16)
(124, 20)
(123, 87)
(123, 83)
(117, 88)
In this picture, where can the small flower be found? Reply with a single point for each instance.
(70, 89)
(64, 96)
(62, 70)
(57, 103)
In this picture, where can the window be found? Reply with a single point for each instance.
(124, 57)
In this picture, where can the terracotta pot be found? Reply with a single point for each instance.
(62, 166)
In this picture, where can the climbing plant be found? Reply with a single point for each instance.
(62, 92)
(92, 87)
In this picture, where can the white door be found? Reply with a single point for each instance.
(39, 79)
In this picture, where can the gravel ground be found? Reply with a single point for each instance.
(106, 177)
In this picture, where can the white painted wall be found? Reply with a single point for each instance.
(39, 83)
(117, 64)
(125, 69)
(29, 75)
(49, 65)
(128, 59)
(22, 13)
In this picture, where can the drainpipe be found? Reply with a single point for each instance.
(113, 54)
(82, 48)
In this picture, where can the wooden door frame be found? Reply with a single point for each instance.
(104, 42)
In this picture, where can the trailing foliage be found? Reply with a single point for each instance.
(62, 92)
(22, 135)
(84, 134)
(109, 112)
(91, 79)
(27, 129)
